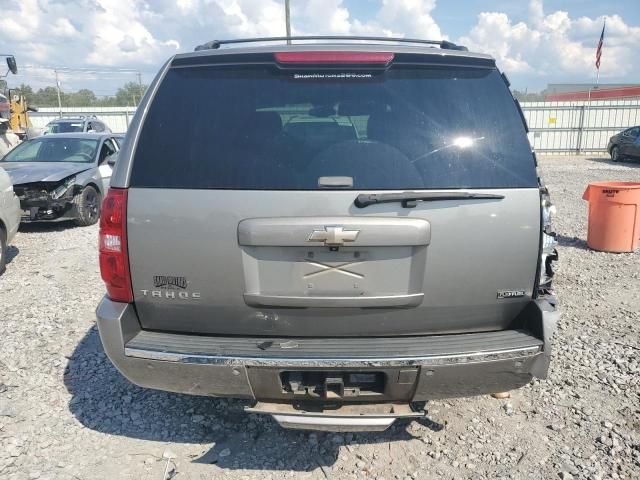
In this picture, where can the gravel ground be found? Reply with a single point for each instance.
(66, 413)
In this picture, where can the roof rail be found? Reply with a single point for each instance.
(444, 44)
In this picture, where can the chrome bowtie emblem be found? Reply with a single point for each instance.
(333, 236)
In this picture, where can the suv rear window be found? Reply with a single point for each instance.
(64, 127)
(260, 127)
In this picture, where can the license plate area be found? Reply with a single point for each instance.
(332, 385)
(375, 276)
(344, 385)
(333, 271)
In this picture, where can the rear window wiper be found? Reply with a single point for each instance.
(411, 199)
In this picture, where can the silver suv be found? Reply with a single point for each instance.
(86, 124)
(343, 231)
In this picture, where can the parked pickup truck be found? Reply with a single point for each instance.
(393, 247)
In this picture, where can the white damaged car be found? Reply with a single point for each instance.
(9, 216)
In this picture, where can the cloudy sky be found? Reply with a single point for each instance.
(535, 42)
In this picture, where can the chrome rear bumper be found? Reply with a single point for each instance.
(430, 366)
(333, 352)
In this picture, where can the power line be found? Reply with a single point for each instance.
(82, 69)
(104, 74)
(58, 75)
(66, 76)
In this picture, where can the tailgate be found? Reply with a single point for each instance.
(200, 265)
(241, 216)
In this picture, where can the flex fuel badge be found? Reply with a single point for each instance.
(170, 287)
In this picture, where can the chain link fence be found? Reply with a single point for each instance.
(578, 127)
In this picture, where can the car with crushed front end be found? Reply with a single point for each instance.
(62, 176)
(9, 216)
(337, 231)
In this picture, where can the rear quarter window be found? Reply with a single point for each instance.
(264, 128)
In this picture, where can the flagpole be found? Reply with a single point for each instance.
(598, 54)
(595, 86)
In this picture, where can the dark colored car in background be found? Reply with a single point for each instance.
(625, 144)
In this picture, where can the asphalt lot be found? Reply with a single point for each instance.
(66, 413)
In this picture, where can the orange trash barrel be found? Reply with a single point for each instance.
(614, 216)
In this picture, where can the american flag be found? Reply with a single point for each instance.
(599, 50)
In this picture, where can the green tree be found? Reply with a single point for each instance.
(83, 98)
(130, 94)
(27, 92)
(528, 96)
(48, 97)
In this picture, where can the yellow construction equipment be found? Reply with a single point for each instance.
(19, 113)
(13, 104)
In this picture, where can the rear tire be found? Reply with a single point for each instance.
(3, 250)
(88, 206)
(615, 154)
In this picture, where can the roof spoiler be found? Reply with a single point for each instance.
(444, 44)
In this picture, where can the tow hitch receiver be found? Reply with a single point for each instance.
(336, 417)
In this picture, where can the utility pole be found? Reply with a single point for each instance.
(287, 17)
(139, 75)
(58, 88)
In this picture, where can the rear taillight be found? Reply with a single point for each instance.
(343, 58)
(114, 257)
